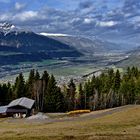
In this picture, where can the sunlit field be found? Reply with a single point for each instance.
(121, 125)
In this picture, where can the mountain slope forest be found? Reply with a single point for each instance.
(24, 46)
(110, 89)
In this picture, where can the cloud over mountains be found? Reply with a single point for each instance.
(86, 17)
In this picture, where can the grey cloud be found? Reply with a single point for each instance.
(131, 5)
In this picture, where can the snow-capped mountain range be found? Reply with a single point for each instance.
(12, 36)
(6, 27)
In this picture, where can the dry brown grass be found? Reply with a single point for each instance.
(123, 125)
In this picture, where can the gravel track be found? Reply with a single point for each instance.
(83, 117)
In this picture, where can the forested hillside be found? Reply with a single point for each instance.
(110, 89)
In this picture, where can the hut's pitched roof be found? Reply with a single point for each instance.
(24, 102)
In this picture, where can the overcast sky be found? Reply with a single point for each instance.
(66, 16)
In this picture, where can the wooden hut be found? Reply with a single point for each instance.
(19, 106)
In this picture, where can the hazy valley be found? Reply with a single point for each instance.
(65, 56)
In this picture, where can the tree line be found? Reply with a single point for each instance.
(110, 89)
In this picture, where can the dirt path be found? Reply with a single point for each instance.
(83, 117)
(92, 115)
(103, 113)
(99, 114)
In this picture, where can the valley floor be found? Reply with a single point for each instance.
(122, 123)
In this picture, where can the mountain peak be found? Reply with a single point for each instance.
(6, 27)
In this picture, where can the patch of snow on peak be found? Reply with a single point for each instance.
(13, 26)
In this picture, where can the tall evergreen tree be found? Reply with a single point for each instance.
(81, 97)
(117, 81)
(54, 99)
(30, 84)
(37, 75)
(20, 86)
(45, 79)
(137, 101)
(71, 92)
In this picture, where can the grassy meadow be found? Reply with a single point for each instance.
(122, 125)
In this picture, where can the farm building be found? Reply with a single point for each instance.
(19, 106)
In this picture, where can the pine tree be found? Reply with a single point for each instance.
(110, 78)
(117, 81)
(86, 94)
(124, 92)
(81, 96)
(37, 75)
(71, 92)
(4, 94)
(137, 101)
(54, 99)
(132, 91)
(45, 78)
(60, 101)
(30, 85)
(128, 72)
(10, 95)
(19, 87)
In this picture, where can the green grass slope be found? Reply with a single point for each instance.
(120, 125)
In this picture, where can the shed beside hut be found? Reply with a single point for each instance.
(3, 110)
